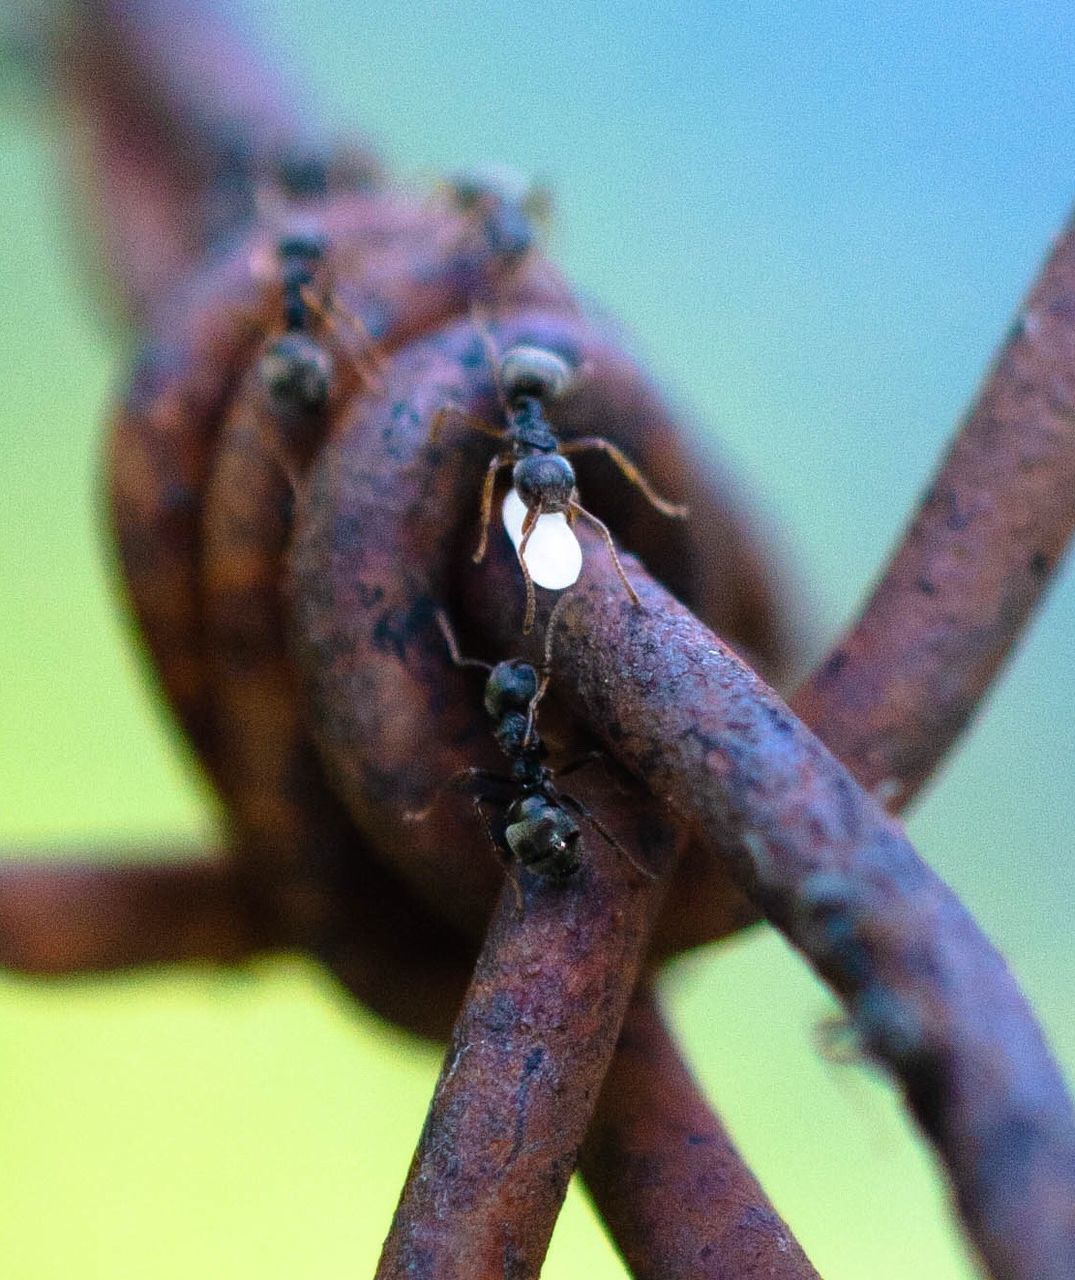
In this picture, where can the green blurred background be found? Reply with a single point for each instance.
(817, 225)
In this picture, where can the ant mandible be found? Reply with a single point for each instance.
(527, 378)
(536, 827)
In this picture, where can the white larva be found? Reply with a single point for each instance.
(553, 555)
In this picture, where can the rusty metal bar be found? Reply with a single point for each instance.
(930, 998)
(526, 1060)
(893, 696)
(367, 571)
(674, 1192)
(59, 916)
(951, 513)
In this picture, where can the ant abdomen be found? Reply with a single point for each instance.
(544, 837)
(534, 371)
(296, 373)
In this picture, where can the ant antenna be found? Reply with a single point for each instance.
(586, 444)
(546, 669)
(578, 509)
(482, 320)
(453, 645)
(368, 362)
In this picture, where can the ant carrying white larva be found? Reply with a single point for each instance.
(527, 378)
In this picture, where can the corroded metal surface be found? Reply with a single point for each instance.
(322, 764)
(928, 995)
(667, 1178)
(897, 691)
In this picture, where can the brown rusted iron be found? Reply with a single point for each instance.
(992, 527)
(300, 860)
(377, 498)
(178, 117)
(665, 1176)
(384, 527)
(528, 1055)
(898, 690)
(928, 995)
(176, 505)
(203, 558)
(77, 916)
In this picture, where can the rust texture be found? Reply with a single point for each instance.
(1009, 473)
(287, 597)
(77, 916)
(928, 995)
(525, 1062)
(654, 1144)
(895, 694)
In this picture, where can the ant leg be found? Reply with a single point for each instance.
(278, 454)
(475, 424)
(505, 861)
(496, 462)
(580, 510)
(453, 645)
(370, 350)
(529, 524)
(675, 510)
(546, 670)
(367, 366)
(461, 783)
(580, 762)
(602, 830)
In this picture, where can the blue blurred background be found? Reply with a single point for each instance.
(816, 223)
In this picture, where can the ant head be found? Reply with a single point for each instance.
(534, 371)
(544, 837)
(296, 373)
(303, 171)
(470, 187)
(544, 482)
(310, 245)
(511, 686)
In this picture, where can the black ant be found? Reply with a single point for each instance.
(506, 206)
(535, 826)
(296, 370)
(527, 378)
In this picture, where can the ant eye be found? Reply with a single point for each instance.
(534, 371)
